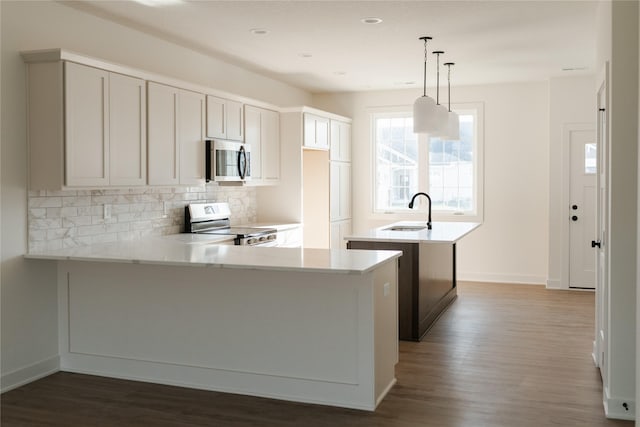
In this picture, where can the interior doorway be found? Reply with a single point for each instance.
(582, 209)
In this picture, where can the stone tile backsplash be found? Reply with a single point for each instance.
(63, 219)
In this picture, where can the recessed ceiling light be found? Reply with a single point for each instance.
(574, 68)
(305, 55)
(371, 20)
(405, 83)
(340, 73)
(259, 31)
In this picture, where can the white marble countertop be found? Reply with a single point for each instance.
(170, 250)
(441, 232)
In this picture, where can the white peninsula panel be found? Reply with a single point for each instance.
(317, 326)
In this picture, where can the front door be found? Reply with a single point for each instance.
(582, 211)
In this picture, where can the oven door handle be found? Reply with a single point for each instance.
(242, 162)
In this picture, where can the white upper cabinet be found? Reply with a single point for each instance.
(127, 130)
(262, 133)
(191, 138)
(176, 136)
(316, 132)
(225, 119)
(92, 124)
(164, 149)
(340, 141)
(87, 127)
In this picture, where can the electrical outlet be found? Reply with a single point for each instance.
(106, 211)
(386, 289)
(164, 210)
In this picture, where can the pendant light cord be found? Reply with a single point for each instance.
(437, 53)
(424, 85)
(438, 79)
(424, 81)
(449, 64)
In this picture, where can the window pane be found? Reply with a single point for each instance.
(396, 162)
(590, 159)
(451, 169)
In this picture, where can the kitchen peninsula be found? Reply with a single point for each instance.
(427, 269)
(310, 325)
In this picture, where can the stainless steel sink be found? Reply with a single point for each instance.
(406, 228)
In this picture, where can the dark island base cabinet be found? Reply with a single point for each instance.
(426, 283)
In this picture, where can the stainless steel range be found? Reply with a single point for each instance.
(214, 218)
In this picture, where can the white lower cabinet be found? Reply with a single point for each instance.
(290, 238)
(340, 229)
(262, 133)
(176, 136)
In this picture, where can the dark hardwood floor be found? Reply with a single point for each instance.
(501, 355)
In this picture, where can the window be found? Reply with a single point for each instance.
(406, 163)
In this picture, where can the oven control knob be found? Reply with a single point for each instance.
(272, 237)
(251, 241)
(262, 239)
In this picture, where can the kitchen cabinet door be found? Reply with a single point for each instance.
(163, 144)
(235, 120)
(340, 191)
(86, 126)
(270, 146)
(225, 119)
(262, 133)
(191, 116)
(316, 132)
(340, 139)
(253, 137)
(216, 125)
(345, 190)
(340, 229)
(127, 130)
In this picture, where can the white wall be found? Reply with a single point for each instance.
(572, 100)
(512, 244)
(29, 305)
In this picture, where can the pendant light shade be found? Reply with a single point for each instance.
(453, 126)
(453, 120)
(425, 117)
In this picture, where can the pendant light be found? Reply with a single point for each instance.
(453, 120)
(442, 114)
(424, 108)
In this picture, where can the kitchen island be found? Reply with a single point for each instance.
(427, 269)
(306, 325)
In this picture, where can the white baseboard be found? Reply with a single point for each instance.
(27, 374)
(501, 278)
(618, 408)
(555, 284)
(594, 354)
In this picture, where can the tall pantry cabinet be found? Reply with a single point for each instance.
(315, 180)
(340, 183)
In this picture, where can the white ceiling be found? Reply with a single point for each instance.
(490, 41)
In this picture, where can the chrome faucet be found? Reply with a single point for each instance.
(411, 206)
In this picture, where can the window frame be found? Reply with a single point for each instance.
(420, 211)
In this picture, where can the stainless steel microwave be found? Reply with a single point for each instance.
(227, 161)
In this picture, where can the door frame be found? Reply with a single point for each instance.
(601, 309)
(567, 129)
